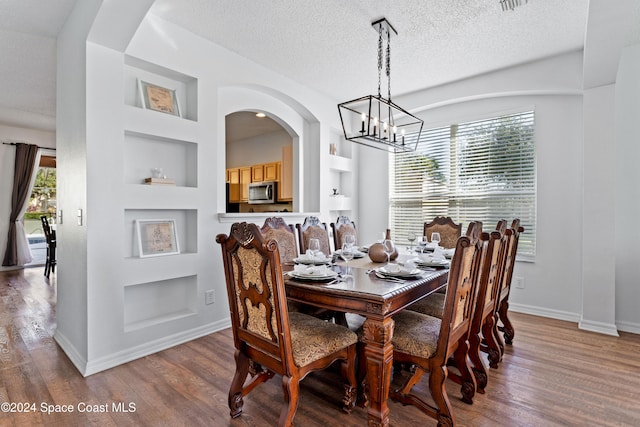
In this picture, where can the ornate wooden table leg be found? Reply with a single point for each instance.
(379, 354)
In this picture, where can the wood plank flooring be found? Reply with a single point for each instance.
(553, 375)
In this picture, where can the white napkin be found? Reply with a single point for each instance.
(408, 268)
(448, 253)
(310, 256)
(320, 270)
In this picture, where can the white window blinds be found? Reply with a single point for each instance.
(482, 170)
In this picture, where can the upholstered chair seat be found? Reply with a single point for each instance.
(313, 339)
(432, 305)
(416, 333)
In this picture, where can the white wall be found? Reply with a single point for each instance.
(260, 149)
(627, 191)
(7, 159)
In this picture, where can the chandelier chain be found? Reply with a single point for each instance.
(379, 58)
(389, 65)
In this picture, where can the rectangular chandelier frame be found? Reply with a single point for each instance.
(379, 123)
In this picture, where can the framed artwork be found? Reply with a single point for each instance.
(157, 237)
(159, 98)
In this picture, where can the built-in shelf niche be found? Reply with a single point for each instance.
(186, 228)
(178, 159)
(152, 303)
(186, 87)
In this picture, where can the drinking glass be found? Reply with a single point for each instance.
(314, 247)
(411, 237)
(350, 239)
(347, 254)
(435, 238)
(389, 247)
(422, 243)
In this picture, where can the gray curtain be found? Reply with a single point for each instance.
(26, 155)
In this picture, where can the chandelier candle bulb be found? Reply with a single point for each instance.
(395, 130)
(364, 117)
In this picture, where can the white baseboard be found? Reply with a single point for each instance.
(71, 351)
(545, 312)
(599, 327)
(91, 367)
(633, 328)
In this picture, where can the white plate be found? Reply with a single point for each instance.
(356, 254)
(314, 261)
(403, 272)
(431, 262)
(314, 274)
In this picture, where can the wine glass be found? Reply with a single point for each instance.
(422, 243)
(314, 247)
(388, 247)
(347, 254)
(411, 237)
(435, 238)
(351, 240)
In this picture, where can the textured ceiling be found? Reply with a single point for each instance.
(28, 31)
(329, 45)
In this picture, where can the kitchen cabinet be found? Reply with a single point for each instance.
(257, 173)
(239, 179)
(271, 171)
(285, 175)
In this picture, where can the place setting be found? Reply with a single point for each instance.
(313, 273)
(313, 255)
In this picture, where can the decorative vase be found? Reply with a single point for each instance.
(376, 251)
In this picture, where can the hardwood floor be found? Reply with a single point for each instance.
(553, 375)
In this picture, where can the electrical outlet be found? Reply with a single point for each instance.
(209, 297)
(518, 282)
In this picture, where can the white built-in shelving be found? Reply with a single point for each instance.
(154, 139)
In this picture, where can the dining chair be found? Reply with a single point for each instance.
(50, 237)
(269, 339)
(342, 227)
(502, 303)
(276, 228)
(481, 335)
(449, 231)
(313, 228)
(427, 343)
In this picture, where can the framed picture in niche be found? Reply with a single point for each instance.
(159, 98)
(157, 237)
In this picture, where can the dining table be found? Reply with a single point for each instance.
(359, 290)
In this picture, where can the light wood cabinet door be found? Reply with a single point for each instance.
(233, 176)
(245, 179)
(271, 171)
(257, 173)
(285, 176)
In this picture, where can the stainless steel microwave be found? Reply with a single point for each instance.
(262, 192)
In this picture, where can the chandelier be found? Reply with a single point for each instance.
(376, 121)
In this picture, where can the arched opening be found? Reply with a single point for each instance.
(259, 163)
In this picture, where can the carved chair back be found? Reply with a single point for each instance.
(257, 298)
(313, 228)
(342, 227)
(275, 228)
(449, 231)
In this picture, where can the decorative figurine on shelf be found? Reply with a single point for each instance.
(335, 191)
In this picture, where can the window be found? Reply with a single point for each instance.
(482, 170)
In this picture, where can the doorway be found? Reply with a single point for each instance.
(43, 201)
